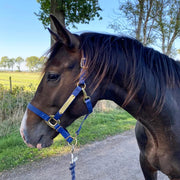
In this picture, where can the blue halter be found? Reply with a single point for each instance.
(54, 120)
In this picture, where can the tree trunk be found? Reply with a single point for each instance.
(138, 31)
(58, 11)
(174, 36)
(169, 46)
(146, 22)
(161, 25)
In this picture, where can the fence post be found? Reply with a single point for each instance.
(10, 83)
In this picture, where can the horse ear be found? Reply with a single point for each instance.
(54, 35)
(67, 37)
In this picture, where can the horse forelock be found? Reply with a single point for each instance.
(51, 54)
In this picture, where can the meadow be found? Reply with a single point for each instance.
(13, 101)
(13, 151)
(27, 80)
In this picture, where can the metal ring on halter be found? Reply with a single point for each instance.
(83, 86)
(75, 142)
(85, 95)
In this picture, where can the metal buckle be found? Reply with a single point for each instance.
(83, 62)
(52, 122)
(83, 87)
(85, 94)
(73, 144)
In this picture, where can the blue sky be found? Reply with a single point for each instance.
(22, 34)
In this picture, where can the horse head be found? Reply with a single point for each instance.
(61, 76)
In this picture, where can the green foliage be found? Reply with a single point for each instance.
(178, 51)
(43, 14)
(81, 11)
(168, 23)
(7, 62)
(18, 61)
(150, 21)
(34, 63)
(13, 103)
(4, 61)
(12, 106)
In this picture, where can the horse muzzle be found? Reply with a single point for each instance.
(40, 136)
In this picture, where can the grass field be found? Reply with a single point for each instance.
(25, 79)
(98, 126)
(13, 151)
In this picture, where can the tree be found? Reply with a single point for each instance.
(33, 63)
(4, 61)
(150, 21)
(68, 11)
(168, 23)
(178, 51)
(11, 63)
(138, 22)
(18, 61)
(7, 62)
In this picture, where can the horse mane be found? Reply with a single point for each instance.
(104, 53)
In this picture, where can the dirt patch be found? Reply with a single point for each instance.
(115, 158)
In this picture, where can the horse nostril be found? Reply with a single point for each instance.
(39, 146)
(22, 132)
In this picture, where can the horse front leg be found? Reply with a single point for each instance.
(149, 172)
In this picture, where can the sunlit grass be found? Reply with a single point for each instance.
(27, 79)
(98, 126)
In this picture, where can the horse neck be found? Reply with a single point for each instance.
(117, 92)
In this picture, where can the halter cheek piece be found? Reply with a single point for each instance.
(54, 120)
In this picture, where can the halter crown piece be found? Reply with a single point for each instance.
(54, 120)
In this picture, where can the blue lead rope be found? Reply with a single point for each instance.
(72, 169)
(73, 163)
(90, 110)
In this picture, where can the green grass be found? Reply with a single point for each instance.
(98, 126)
(13, 102)
(26, 79)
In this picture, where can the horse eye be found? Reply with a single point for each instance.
(53, 77)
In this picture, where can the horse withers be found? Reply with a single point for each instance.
(143, 81)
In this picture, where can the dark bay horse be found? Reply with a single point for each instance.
(143, 81)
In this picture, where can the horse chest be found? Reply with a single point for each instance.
(164, 157)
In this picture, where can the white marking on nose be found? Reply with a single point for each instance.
(23, 124)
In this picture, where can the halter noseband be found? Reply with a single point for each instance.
(54, 120)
